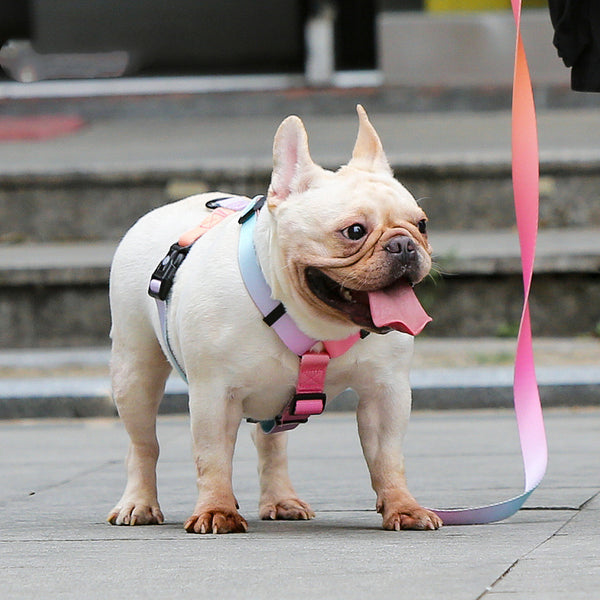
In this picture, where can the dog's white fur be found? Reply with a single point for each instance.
(236, 366)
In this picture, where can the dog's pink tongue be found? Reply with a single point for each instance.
(399, 308)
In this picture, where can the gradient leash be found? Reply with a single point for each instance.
(528, 410)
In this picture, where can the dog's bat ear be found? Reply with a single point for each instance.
(293, 167)
(368, 153)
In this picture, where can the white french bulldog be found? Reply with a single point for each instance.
(333, 247)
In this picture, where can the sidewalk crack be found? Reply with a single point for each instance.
(576, 511)
(57, 484)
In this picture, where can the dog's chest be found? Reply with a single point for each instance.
(268, 387)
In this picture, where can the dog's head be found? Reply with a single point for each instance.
(338, 240)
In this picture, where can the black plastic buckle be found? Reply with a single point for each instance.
(252, 208)
(215, 202)
(163, 276)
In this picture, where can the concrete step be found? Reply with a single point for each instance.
(93, 184)
(57, 294)
(254, 96)
(447, 374)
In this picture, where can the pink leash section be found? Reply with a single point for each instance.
(528, 410)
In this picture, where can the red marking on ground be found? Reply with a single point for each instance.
(39, 127)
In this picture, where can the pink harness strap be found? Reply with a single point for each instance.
(309, 398)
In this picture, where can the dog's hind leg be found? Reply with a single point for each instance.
(139, 373)
(278, 500)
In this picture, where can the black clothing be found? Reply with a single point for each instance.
(577, 37)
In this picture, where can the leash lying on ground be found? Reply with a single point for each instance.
(528, 410)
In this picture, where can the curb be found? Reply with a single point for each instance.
(433, 389)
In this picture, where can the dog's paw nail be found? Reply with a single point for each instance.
(216, 522)
(411, 518)
(292, 509)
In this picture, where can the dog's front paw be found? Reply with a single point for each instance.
(132, 513)
(290, 509)
(216, 521)
(397, 517)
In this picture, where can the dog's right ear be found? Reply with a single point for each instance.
(368, 151)
(293, 167)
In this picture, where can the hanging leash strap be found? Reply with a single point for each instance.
(528, 410)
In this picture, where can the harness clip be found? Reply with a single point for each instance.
(307, 404)
(163, 276)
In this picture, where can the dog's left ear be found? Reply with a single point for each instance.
(368, 153)
(293, 167)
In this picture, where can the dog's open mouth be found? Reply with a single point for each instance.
(353, 303)
(394, 307)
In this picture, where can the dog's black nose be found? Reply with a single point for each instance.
(403, 246)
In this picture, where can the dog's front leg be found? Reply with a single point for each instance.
(383, 414)
(278, 500)
(215, 417)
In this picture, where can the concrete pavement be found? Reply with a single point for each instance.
(60, 478)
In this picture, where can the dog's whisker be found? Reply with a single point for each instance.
(438, 270)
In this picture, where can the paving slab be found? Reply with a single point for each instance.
(61, 478)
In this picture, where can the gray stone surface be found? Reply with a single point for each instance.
(444, 141)
(467, 48)
(446, 374)
(57, 294)
(93, 184)
(61, 477)
(575, 250)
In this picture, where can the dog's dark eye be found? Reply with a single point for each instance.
(422, 225)
(355, 232)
